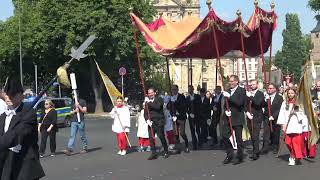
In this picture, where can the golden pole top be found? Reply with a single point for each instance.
(208, 2)
(272, 5)
(238, 13)
(130, 9)
(256, 3)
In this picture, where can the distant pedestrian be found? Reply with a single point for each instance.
(80, 107)
(48, 127)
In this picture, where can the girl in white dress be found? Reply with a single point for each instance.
(292, 127)
(121, 124)
(142, 132)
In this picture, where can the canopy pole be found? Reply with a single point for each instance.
(141, 73)
(216, 73)
(245, 69)
(188, 70)
(172, 107)
(265, 76)
(270, 61)
(222, 80)
(191, 72)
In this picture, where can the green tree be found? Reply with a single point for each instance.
(314, 5)
(51, 28)
(295, 48)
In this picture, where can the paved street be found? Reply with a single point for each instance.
(102, 162)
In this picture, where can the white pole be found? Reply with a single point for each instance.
(122, 86)
(59, 90)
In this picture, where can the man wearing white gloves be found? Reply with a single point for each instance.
(256, 98)
(154, 115)
(236, 96)
(275, 104)
(178, 108)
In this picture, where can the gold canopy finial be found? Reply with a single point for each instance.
(160, 14)
(130, 9)
(189, 12)
(209, 4)
(238, 12)
(256, 3)
(272, 5)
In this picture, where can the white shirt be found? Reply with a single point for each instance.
(233, 90)
(3, 106)
(272, 97)
(295, 125)
(174, 98)
(191, 97)
(9, 118)
(253, 93)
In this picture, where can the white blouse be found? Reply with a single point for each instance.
(120, 115)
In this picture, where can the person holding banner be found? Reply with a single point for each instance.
(291, 126)
(236, 96)
(81, 108)
(121, 125)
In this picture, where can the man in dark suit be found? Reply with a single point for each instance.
(20, 162)
(216, 107)
(275, 105)
(205, 115)
(254, 113)
(178, 106)
(155, 119)
(193, 110)
(237, 100)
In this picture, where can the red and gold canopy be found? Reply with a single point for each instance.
(193, 38)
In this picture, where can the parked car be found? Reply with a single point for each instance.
(62, 106)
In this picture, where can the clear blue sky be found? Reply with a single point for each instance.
(226, 9)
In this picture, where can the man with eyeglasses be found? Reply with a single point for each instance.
(271, 138)
(236, 96)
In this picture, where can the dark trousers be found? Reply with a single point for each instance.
(44, 136)
(194, 128)
(255, 134)
(159, 130)
(213, 128)
(181, 127)
(268, 137)
(238, 134)
(204, 130)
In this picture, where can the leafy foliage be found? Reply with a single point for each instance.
(295, 48)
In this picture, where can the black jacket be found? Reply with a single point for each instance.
(275, 107)
(193, 107)
(47, 120)
(217, 113)
(205, 109)
(257, 103)
(155, 110)
(237, 103)
(179, 108)
(24, 165)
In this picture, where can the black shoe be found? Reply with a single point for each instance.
(275, 150)
(186, 150)
(255, 157)
(264, 150)
(238, 161)
(227, 160)
(152, 156)
(165, 155)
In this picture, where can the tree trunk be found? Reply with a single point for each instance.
(96, 89)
